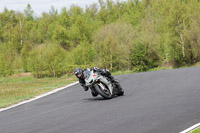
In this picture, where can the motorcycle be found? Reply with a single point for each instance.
(102, 85)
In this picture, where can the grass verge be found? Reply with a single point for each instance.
(160, 68)
(196, 130)
(122, 72)
(16, 89)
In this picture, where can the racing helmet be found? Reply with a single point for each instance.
(78, 72)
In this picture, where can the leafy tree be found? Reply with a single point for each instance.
(113, 45)
(25, 57)
(7, 58)
(29, 13)
(48, 60)
(176, 19)
(92, 11)
(61, 35)
(132, 12)
(147, 49)
(191, 40)
(8, 22)
(83, 54)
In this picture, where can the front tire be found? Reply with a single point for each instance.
(104, 93)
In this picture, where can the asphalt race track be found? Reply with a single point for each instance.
(154, 102)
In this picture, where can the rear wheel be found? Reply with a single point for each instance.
(121, 93)
(103, 90)
(120, 89)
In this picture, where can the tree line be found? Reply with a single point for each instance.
(134, 34)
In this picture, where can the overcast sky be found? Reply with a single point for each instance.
(40, 6)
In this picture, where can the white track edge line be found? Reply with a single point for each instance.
(37, 97)
(191, 128)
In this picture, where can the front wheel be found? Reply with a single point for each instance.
(103, 90)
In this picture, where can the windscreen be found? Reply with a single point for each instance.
(87, 74)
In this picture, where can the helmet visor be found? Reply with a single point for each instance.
(79, 75)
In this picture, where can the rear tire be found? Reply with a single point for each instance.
(121, 93)
(106, 95)
(120, 89)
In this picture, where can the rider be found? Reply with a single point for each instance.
(80, 75)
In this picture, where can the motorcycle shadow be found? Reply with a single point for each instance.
(98, 98)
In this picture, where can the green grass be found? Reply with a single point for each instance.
(196, 131)
(17, 89)
(160, 68)
(122, 72)
(133, 71)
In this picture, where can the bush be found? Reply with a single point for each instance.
(48, 60)
(143, 59)
(25, 57)
(113, 44)
(7, 61)
(83, 54)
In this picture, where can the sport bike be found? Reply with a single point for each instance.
(102, 85)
